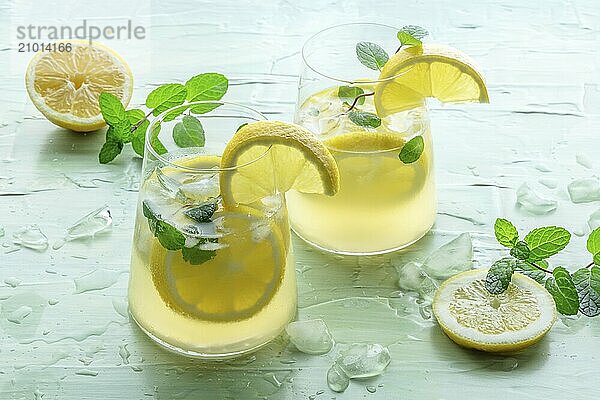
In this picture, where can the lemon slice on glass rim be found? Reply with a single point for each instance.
(274, 157)
(474, 318)
(430, 70)
(65, 85)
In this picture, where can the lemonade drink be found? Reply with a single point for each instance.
(231, 287)
(383, 204)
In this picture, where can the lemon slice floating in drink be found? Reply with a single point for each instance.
(238, 282)
(288, 157)
(65, 85)
(429, 70)
(508, 322)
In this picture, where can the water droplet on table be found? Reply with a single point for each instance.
(86, 372)
(93, 223)
(584, 161)
(505, 364)
(371, 389)
(310, 336)
(96, 280)
(12, 281)
(542, 167)
(1, 231)
(124, 353)
(32, 237)
(549, 183)
(533, 202)
(18, 315)
(584, 190)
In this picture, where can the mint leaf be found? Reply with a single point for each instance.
(139, 135)
(412, 150)
(363, 118)
(188, 132)
(204, 108)
(406, 39)
(109, 151)
(529, 270)
(506, 233)
(202, 213)
(521, 251)
(499, 275)
(111, 108)
(175, 112)
(197, 255)
(587, 283)
(546, 242)
(209, 86)
(562, 288)
(349, 93)
(597, 258)
(169, 237)
(593, 242)
(155, 141)
(166, 96)
(371, 55)
(415, 31)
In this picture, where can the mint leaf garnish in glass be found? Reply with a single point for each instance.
(371, 55)
(363, 118)
(412, 150)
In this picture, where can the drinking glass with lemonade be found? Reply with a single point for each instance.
(365, 113)
(212, 272)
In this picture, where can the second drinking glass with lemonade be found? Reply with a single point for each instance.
(383, 203)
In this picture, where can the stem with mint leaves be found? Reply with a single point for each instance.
(572, 292)
(130, 126)
(373, 56)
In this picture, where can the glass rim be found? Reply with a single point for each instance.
(313, 68)
(160, 117)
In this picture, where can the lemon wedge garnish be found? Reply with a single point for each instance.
(65, 86)
(273, 157)
(474, 318)
(430, 70)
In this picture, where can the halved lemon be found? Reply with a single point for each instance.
(246, 271)
(65, 85)
(273, 157)
(424, 71)
(508, 322)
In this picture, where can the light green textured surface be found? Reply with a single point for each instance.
(542, 66)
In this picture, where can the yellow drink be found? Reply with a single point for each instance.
(383, 204)
(234, 291)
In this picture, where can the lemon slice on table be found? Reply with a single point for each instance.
(511, 321)
(429, 70)
(237, 283)
(273, 157)
(65, 85)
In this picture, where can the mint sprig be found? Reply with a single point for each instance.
(172, 239)
(130, 126)
(572, 293)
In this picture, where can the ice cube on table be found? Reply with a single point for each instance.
(93, 223)
(531, 201)
(32, 237)
(364, 360)
(310, 336)
(337, 380)
(594, 220)
(584, 190)
(410, 276)
(451, 258)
